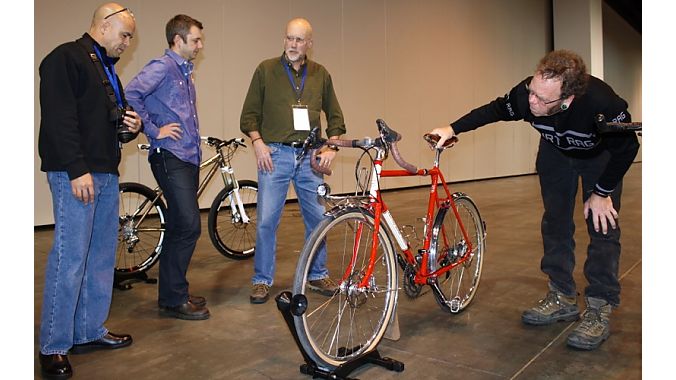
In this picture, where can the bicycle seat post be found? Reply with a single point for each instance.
(437, 155)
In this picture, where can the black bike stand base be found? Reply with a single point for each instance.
(123, 281)
(342, 372)
(296, 305)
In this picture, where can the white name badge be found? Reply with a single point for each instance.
(301, 118)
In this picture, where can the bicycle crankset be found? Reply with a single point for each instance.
(410, 287)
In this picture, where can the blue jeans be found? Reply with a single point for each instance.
(272, 190)
(80, 265)
(559, 176)
(179, 181)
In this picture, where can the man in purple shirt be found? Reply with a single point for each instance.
(163, 94)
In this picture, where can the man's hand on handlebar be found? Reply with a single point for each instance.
(327, 154)
(326, 157)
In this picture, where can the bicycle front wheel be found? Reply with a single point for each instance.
(232, 236)
(141, 230)
(459, 285)
(334, 329)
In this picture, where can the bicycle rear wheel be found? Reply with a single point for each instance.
(459, 285)
(231, 236)
(141, 230)
(335, 329)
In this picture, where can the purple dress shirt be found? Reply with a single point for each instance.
(162, 93)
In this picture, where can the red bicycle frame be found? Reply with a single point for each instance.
(381, 212)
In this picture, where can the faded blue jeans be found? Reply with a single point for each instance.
(272, 190)
(80, 266)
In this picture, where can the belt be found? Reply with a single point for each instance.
(293, 144)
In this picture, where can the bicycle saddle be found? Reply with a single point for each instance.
(388, 134)
(434, 139)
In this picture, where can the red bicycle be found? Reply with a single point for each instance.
(358, 239)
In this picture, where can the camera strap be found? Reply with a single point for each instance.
(107, 84)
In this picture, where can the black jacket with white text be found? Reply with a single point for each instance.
(573, 131)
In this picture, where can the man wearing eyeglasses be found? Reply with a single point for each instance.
(561, 101)
(82, 110)
(164, 95)
(285, 99)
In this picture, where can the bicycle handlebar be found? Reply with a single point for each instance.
(211, 141)
(387, 140)
(610, 126)
(218, 143)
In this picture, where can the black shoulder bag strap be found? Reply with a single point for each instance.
(102, 75)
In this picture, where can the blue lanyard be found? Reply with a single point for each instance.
(112, 77)
(297, 90)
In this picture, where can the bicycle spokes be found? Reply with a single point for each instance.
(350, 322)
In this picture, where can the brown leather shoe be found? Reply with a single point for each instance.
(188, 311)
(198, 300)
(110, 341)
(195, 300)
(55, 366)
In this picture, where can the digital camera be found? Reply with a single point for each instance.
(124, 135)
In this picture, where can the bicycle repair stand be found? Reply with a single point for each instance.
(123, 281)
(291, 306)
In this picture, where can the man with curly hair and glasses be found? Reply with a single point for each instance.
(561, 101)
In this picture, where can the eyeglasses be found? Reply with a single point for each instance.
(540, 99)
(298, 40)
(120, 11)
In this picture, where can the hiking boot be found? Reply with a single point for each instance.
(555, 307)
(324, 286)
(259, 293)
(594, 327)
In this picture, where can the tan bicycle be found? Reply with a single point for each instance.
(231, 221)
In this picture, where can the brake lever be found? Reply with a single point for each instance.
(311, 142)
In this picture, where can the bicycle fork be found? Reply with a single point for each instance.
(236, 205)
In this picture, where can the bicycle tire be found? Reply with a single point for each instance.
(335, 329)
(459, 285)
(140, 237)
(231, 237)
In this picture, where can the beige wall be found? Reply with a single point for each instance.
(416, 64)
(622, 62)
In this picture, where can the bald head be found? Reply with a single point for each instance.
(300, 24)
(113, 28)
(107, 11)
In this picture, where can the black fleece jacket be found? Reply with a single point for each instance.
(573, 131)
(76, 135)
